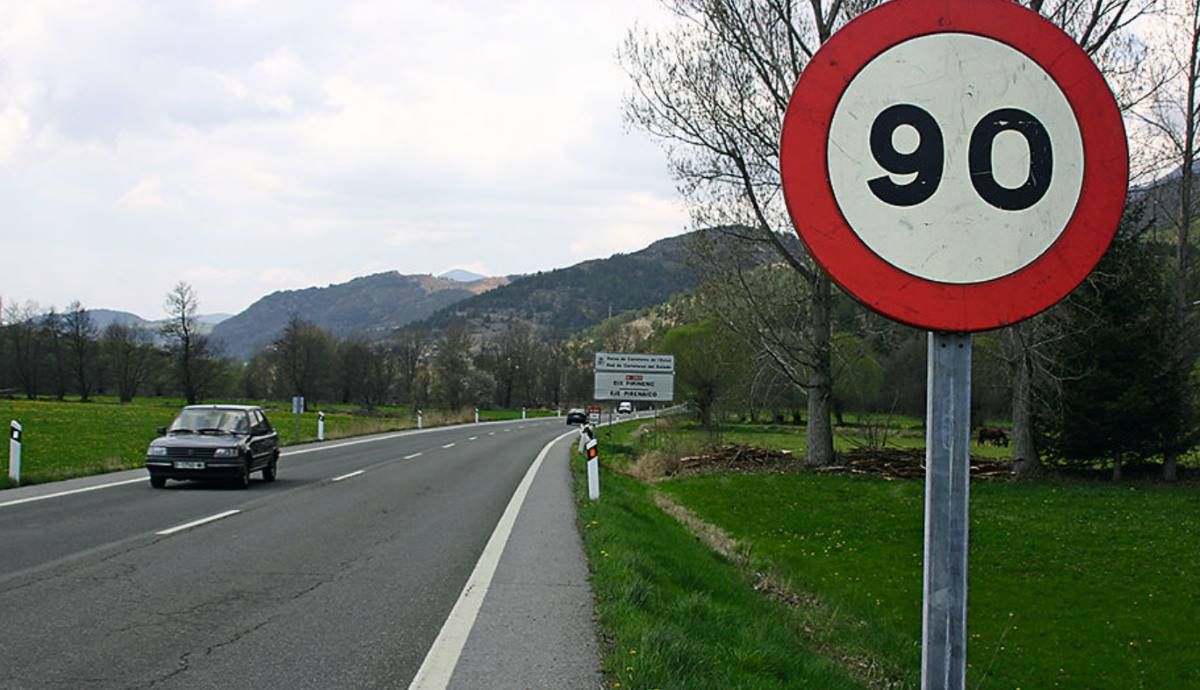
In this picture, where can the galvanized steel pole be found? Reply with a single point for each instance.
(947, 482)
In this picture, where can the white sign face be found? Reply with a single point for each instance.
(625, 385)
(955, 158)
(297, 404)
(634, 361)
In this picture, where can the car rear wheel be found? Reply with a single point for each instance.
(158, 482)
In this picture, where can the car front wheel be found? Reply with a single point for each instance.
(158, 482)
(243, 482)
(272, 468)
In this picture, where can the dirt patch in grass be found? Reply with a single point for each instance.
(887, 463)
(896, 463)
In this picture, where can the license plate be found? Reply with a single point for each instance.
(188, 465)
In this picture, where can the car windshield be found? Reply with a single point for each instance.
(210, 421)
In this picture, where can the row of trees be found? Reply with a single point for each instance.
(48, 353)
(714, 89)
(412, 367)
(1106, 389)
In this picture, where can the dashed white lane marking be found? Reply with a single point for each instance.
(473, 438)
(197, 523)
(413, 455)
(31, 499)
(439, 664)
(285, 452)
(347, 476)
(448, 445)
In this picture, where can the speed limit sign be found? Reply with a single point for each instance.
(957, 166)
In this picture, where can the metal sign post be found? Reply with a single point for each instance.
(297, 408)
(947, 475)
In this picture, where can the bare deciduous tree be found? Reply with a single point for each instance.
(714, 90)
(80, 334)
(129, 353)
(189, 348)
(452, 367)
(304, 357)
(54, 337)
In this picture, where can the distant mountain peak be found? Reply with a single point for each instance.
(461, 276)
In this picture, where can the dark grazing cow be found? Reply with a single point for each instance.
(992, 434)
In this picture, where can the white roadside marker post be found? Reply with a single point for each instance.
(476, 415)
(419, 424)
(320, 426)
(14, 451)
(593, 469)
(522, 413)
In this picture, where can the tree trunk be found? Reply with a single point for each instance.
(1116, 475)
(1170, 465)
(1026, 462)
(820, 431)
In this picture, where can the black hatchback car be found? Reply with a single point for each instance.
(225, 442)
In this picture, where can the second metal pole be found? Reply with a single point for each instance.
(947, 483)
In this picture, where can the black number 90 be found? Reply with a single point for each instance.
(928, 159)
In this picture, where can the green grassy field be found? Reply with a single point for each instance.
(71, 439)
(675, 615)
(1073, 585)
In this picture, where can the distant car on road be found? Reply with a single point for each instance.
(226, 442)
(576, 416)
(625, 407)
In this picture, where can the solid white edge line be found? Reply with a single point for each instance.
(197, 523)
(347, 476)
(31, 499)
(440, 662)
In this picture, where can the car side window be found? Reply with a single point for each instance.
(261, 423)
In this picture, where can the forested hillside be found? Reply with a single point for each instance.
(371, 306)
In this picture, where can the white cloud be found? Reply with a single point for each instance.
(14, 125)
(147, 193)
(628, 225)
(331, 137)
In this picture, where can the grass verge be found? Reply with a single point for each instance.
(675, 614)
(72, 439)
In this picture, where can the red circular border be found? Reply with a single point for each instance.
(919, 301)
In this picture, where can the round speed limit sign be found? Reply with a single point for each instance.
(957, 166)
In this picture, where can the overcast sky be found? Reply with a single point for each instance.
(247, 147)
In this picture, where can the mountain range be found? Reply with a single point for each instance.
(371, 306)
(557, 303)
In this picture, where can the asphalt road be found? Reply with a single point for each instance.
(339, 574)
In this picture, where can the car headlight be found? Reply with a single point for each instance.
(225, 453)
(157, 450)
